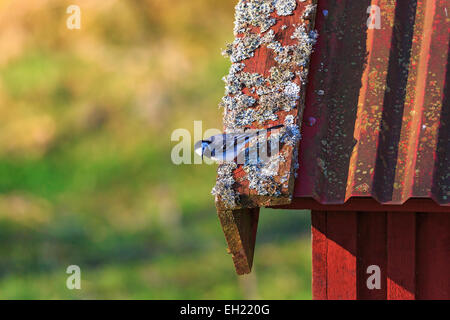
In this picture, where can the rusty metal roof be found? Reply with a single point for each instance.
(376, 122)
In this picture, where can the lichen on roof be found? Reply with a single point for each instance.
(264, 97)
(225, 185)
(253, 13)
(285, 7)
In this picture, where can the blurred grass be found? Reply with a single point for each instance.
(85, 171)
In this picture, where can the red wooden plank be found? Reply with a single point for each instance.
(341, 255)
(367, 205)
(433, 256)
(401, 260)
(319, 254)
(371, 253)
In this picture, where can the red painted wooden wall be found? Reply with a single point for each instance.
(411, 249)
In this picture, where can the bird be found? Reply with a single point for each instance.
(227, 147)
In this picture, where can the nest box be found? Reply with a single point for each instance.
(367, 84)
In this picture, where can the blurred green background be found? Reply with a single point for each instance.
(85, 171)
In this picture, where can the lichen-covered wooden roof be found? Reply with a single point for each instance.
(266, 87)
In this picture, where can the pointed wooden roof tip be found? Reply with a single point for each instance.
(240, 228)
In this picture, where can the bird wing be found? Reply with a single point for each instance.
(228, 147)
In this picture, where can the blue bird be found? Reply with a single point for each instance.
(229, 147)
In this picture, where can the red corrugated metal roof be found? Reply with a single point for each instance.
(376, 122)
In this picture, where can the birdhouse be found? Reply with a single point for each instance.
(367, 86)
